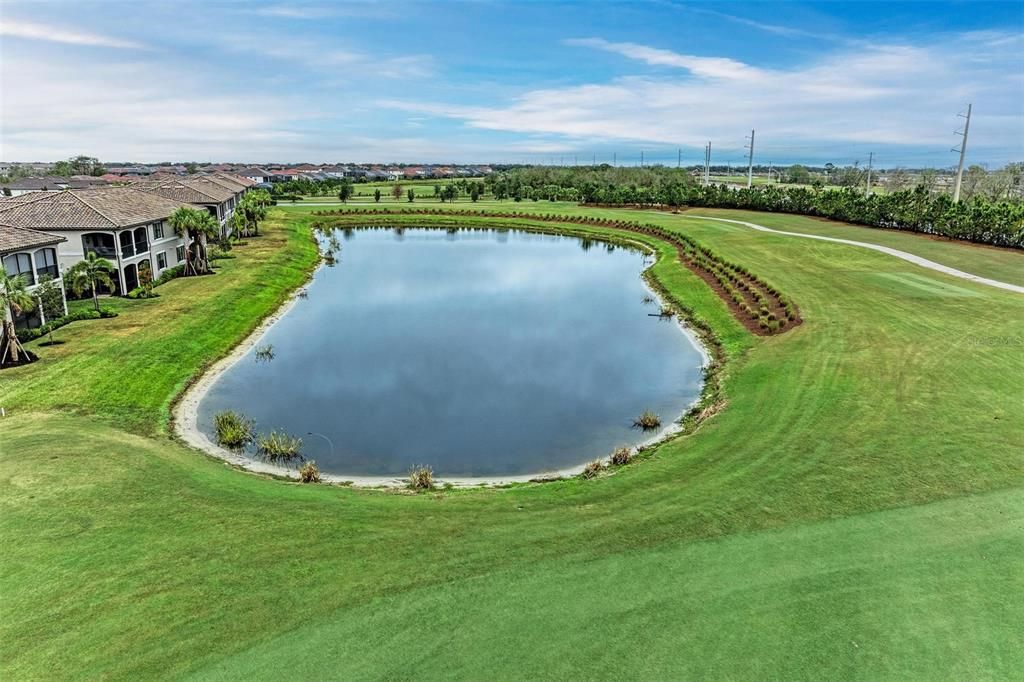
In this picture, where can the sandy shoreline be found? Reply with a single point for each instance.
(186, 414)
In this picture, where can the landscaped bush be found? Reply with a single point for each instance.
(421, 477)
(309, 472)
(278, 447)
(169, 274)
(143, 292)
(25, 335)
(621, 456)
(233, 430)
(647, 420)
(592, 469)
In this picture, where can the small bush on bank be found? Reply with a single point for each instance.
(592, 469)
(647, 420)
(309, 472)
(233, 430)
(621, 456)
(421, 477)
(278, 447)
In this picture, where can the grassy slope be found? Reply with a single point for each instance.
(125, 370)
(881, 400)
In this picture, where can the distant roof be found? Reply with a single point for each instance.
(192, 190)
(17, 238)
(38, 183)
(253, 172)
(102, 208)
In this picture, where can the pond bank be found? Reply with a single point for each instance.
(187, 412)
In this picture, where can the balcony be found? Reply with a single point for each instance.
(102, 251)
(141, 247)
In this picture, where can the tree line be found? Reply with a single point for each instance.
(980, 219)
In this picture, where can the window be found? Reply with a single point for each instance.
(181, 253)
(158, 231)
(46, 263)
(19, 264)
(161, 260)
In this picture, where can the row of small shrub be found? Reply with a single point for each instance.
(25, 335)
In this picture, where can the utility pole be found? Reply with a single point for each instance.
(641, 158)
(707, 164)
(679, 158)
(769, 172)
(615, 158)
(871, 159)
(750, 162)
(595, 159)
(963, 152)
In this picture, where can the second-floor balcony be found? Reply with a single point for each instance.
(102, 251)
(129, 249)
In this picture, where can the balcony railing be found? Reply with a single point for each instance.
(102, 251)
(127, 250)
(141, 247)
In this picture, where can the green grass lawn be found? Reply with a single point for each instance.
(857, 510)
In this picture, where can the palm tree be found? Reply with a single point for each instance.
(15, 299)
(250, 211)
(91, 273)
(196, 226)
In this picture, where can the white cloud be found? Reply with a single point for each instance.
(367, 10)
(133, 110)
(55, 34)
(708, 67)
(882, 94)
(325, 57)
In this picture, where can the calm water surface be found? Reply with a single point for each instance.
(479, 353)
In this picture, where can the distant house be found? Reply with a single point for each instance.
(283, 175)
(26, 185)
(124, 225)
(255, 174)
(31, 255)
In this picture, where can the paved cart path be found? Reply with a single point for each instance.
(917, 260)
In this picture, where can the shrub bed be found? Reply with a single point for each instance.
(26, 335)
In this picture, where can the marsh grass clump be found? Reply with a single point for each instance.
(421, 477)
(265, 353)
(309, 472)
(278, 447)
(647, 300)
(666, 311)
(647, 421)
(592, 469)
(234, 431)
(330, 259)
(621, 456)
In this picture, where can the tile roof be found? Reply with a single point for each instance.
(196, 189)
(17, 238)
(101, 208)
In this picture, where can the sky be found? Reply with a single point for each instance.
(519, 82)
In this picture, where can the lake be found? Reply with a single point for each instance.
(479, 353)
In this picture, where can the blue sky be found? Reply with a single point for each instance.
(482, 81)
